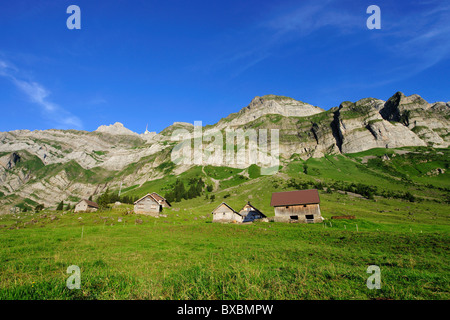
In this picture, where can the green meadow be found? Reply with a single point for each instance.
(183, 255)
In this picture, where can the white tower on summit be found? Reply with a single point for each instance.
(146, 130)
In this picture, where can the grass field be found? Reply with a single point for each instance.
(185, 256)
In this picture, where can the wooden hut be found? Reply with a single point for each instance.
(249, 213)
(297, 206)
(86, 206)
(147, 205)
(224, 213)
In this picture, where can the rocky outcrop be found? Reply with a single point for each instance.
(399, 104)
(430, 122)
(362, 126)
(9, 161)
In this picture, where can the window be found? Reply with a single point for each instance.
(287, 207)
(304, 206)
(294, 217)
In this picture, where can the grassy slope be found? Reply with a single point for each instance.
(184, 256)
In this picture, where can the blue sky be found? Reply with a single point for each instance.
(158, 62)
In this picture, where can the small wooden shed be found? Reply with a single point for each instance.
(86, 206)
(249, 213)
(147, 205)
(224, 213)
(297, 206)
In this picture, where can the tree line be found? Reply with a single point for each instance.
(195, 188)
(365, 190)
(110, 197)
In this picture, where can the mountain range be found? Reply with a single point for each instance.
(52, 165)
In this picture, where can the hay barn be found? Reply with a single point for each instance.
(297, 206)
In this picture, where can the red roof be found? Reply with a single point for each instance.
(290, 198)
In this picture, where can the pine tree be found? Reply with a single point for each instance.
(170, 196)
(192, 192)
(104, 199)
(179, 191)
(60, 206)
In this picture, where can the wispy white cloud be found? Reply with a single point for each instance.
(427, 41)
(39, 95)
(415, 42)
(309, 17)
(97, 100)
(36, 92)
(411, 43)
(286, 26)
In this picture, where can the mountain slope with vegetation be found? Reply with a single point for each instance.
(50, 166)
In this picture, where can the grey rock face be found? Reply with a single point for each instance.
(270, 104)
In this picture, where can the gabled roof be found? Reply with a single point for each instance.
(89, 203)
(254, 209)
(159, 198)
(228, 207)
(290, 198)
(147, 195)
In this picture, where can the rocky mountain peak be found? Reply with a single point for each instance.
(345, 104)
(116, 129)
(270, 98)
(271, 104)
(182, 124)
(396, 105)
